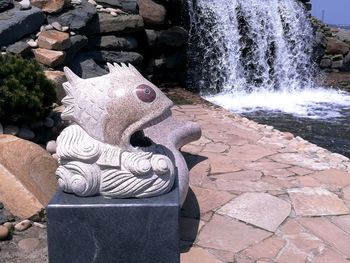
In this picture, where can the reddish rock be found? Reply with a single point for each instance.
(266, 249)
(50, 58)
(27, 176)
(250, 152)
(343, 222)
(4, 232)
(28, 244)
(333, 177)
(300, 238)
(291, 255)
(328, 232)
(196, 254)
(335, 47)
(54, 40)
(259, 209)
(299, 171)
(227, 234)
(49, 6)
(241, 176)
(220, 163)
(151, 12)
(209, 199)
(216, 147)
(329, 256)
(346, 193)
(316, 202)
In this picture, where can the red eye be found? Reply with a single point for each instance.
(145, 93)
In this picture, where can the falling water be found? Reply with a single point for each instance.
(254, 57)
(250, 45)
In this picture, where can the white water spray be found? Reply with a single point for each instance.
(249, 55)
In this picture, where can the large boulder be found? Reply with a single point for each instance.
(104, 56)
(173, 37)
(106, 23)
(86, 67)
(27, 176)
(335, 46)
(16, 23)
(78, 42)
(76, 18)
(113, 42)
(49, 6)
(19, 48)
(151, 12)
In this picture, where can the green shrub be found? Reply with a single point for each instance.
(26, 95)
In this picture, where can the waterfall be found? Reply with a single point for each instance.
(249, 45)
(255, 56)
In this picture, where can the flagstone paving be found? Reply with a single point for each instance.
(261, 195)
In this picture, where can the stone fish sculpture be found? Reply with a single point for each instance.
(104, 150)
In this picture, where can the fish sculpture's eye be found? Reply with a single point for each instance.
(145, 93)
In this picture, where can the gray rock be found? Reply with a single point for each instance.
(19, 48)
(106, 23)
(56, 25)
(11, 129)
(172, 37)
(326, 63)
(49, 122)
(346, 65)
(337, 61)
(174, 61)
(113, 42)
(78, 42)
(5, 5)
(126, 5)
(15, 24)
(104, 56)
(75, 18)
(1, 132)
(26, 133)
(86, 67)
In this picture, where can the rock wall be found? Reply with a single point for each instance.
(85, 34)
(332, 47)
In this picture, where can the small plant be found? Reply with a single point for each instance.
(26, 95)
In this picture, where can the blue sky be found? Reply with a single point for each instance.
(336, 11)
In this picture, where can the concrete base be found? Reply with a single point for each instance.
(96, 229)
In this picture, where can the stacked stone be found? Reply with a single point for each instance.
(332, 46)
(85, 34)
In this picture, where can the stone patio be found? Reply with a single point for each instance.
(261, 195)
(256, 195)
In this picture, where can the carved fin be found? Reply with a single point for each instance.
(67, 100)
(133, 69)
(71, 76)
(111, 68)
(67, 88)
(68, 113)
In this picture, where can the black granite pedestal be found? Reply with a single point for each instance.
(96, 229)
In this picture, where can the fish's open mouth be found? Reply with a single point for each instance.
(138, 138)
